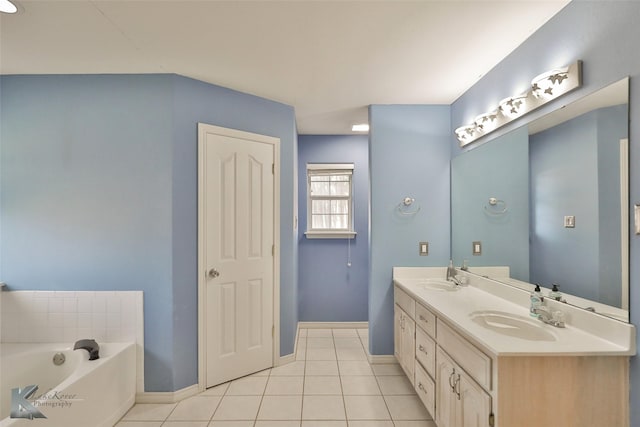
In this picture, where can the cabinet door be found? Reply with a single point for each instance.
(409, 346)
(397, 332)
(445, 396)
(475, 403)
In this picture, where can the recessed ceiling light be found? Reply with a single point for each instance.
(7, 7)
(363, 127)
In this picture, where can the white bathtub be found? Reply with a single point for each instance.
(79, 392)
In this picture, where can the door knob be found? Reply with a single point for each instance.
(213, 273)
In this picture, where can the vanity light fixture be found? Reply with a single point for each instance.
(544, 88)
(7, 7)
(362, 127)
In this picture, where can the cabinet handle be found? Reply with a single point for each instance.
(457, 387)
(423, 319)
(422, 349)
(421, 387)
(451, 384)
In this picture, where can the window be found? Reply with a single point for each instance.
(330, 201)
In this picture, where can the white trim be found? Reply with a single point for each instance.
(381, 359)
(283, 360)
(168, 396)
(330, 166)
(330, 234)
(624, 211)
(234, 133)
(333, 325)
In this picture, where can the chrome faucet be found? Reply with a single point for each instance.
(91, 346)
(451, 272)
(545, 316)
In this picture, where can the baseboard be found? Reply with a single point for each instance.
(381, 358)
(283, 360)
(333, 325)
(168, 396)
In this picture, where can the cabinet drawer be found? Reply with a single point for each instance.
(426, 389)
(426, 320)
(473, 361)
(426, 351)
(404, 301)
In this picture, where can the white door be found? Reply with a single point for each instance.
(237, 259)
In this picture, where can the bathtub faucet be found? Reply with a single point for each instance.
(91, 346)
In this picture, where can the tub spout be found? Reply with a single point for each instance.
(91, 346)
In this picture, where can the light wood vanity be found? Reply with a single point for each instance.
(467, 376)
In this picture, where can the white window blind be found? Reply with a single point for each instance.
(330, 201)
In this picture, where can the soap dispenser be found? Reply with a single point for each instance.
(555, 293)
(536, 301)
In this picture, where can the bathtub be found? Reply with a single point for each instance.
(78, 392)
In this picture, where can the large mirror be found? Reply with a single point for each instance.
(549, 203)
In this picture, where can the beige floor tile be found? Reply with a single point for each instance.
(280, 408)
(359, 385)
(366, 408)
(248, 386)
(231, 424)
(302, 332)
(301, 354)
(406, 408)
(293, 369)
(185, 423)
(263, 373)
(284, 386)
(218, 390)
(357, 367)
(365, 343)
(351, 354)
(197, 408)
(149, 412)
(238, 408)
(278, 423)
(301, 344)
(328, 385)
(321, 354)
(370, 423)
(387, 369)
(395, 384)
(347, 342)
(323, 408)
(322, 367)
(423, 423)
(319, 342)
(345, 333)
(323, 423)
(139, 424)
(363, 332)
(319, 333)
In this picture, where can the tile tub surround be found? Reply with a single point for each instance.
(335, 388)
(67, 316)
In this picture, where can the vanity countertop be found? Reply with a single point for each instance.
(457, 308)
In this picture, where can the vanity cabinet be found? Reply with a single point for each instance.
(404, 341)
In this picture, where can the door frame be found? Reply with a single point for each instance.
(204, 128)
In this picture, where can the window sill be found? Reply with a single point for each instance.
(330, 234)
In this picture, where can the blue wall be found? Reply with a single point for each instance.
(329, 290)
(500, 170)
(409, 155)
(99, 192)
(585, 147)
(601, 34)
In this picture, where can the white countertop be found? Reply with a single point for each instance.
(455, 308)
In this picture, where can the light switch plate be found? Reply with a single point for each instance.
(636, 212)
(423, 248)
(476, 248)
(569, 221)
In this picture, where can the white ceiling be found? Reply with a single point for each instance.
(328, 59)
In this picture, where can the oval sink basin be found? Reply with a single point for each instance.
(512, 325)
(438, 285)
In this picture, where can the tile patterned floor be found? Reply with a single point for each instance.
(331, 384)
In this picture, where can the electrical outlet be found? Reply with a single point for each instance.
(423, 248)
(569, 221)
